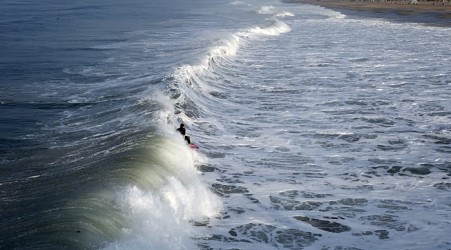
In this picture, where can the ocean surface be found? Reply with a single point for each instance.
(316, 129)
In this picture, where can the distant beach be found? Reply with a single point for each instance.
(436, 13)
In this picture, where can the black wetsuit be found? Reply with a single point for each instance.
(182, 130)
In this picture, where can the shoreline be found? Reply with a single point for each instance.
(429, 13)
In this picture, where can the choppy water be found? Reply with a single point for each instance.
(317, 129)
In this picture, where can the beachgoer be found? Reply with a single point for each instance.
(187, 139)
(182, 129)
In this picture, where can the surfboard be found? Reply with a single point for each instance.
(193, 146)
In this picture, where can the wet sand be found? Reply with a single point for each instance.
(430, 13)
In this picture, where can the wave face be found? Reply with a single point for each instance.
(310, 135)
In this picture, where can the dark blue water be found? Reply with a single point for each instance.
(70, 114)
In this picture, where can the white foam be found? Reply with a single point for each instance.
(284, 14)
(265, 10)
(191, 79)
(314, 9)
(238, 3)
(160, 218)
(331, 149)
(276, 29)
(153, 224)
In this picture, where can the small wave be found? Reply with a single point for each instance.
(238, 3)
(274, 30)
(284, 14)
(266, 10)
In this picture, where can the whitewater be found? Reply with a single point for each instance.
(316, 128)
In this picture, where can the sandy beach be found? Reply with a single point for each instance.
(441, 11)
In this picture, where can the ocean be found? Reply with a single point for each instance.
(316, 128)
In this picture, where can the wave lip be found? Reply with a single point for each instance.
(191, 83)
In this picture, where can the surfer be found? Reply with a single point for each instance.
(182, 129)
